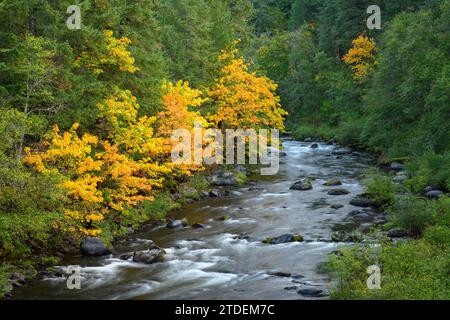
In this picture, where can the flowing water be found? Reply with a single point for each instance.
(226, 260)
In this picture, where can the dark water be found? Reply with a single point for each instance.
(212, 263)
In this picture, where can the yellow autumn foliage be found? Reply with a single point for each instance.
(112, 52)
(243, 99)
(361, 57)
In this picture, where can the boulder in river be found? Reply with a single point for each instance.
(338, 192)
(341, 151)
(153, 255)
(94, 247)
(198, 226)
(312, 292)
(337, 206)
(333, 183)
(302, 185)
(177, 224)
(362, 201)
(286, 238)
(397, 233)
(314, 146)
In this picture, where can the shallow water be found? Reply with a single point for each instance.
(212, 263)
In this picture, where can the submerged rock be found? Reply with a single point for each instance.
(286, 238)
(333, 183)
(338, 192)
(198, 226)
(94, 247)
(302, 185)
(341, 151)
(337, 206)
(314, 146)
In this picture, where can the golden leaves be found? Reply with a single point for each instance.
(361, 57)
(243, 99)
(112, 52)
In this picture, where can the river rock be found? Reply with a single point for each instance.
(314, 146)
(362, 201)
(177, 224)
(333, 183)
(397, 233)
(401, 177)
(286, 238)
(224, 179)
(198, 226)
(338, 192)
(94, 247)
(337, 206)
(215, 193)
(342, 236)
(395, 166)
(341, 151)
(152, 255)
(17, 279)
(434, 194)
(312, 292)
(302, 185)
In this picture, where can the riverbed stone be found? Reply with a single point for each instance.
(94, 247)
(434, 194)
(286, 238)
(340, 151)
(224, 179)
(153, 255)
(312, 292)
(337, 206)
(333, 183)
(397, 233)
(338, 192)
(198, 226)
(302, 185)
(362, 201)
(177, 224)
(314, 146)
(395, 166)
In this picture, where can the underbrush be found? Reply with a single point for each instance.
(409, 270)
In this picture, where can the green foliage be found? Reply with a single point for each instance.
(149, 211)
(380, 188)
(416, 214)
(430, 169)
(416, 270)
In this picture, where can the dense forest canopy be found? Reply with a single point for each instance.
(72, 102)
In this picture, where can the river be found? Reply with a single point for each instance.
(227, 260)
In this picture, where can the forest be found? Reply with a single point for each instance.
(87, 115)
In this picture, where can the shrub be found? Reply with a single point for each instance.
(430, 170)
(380, 188)
(412, 270)
(416, 214)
